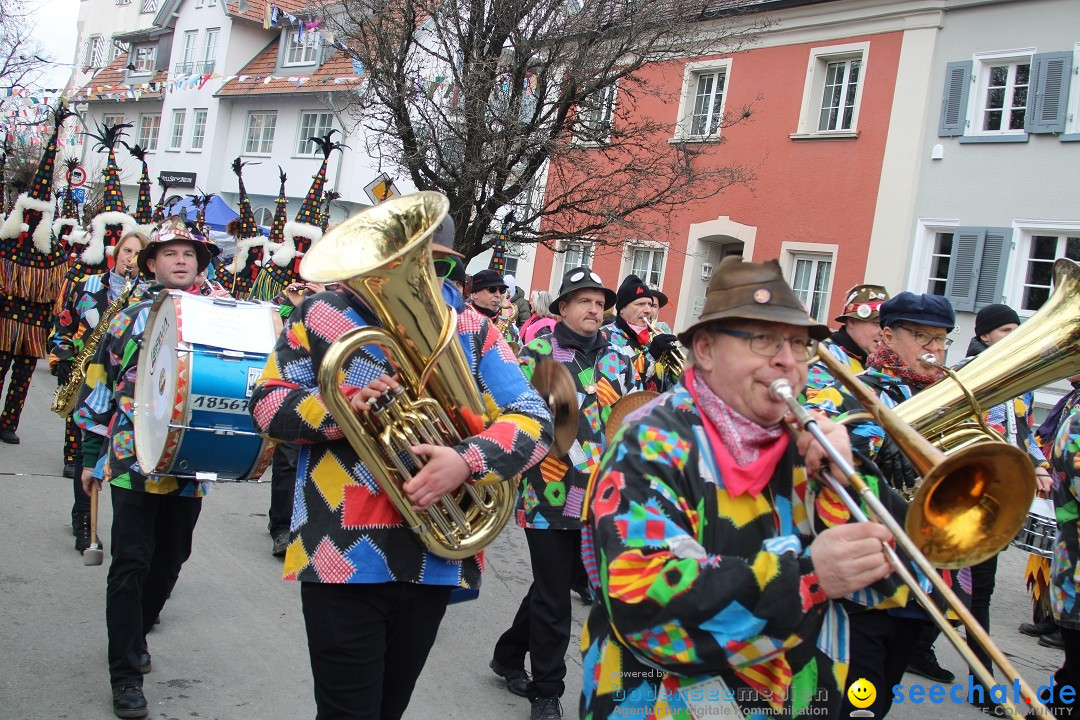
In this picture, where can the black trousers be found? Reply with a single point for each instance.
(22, 369)
(880, 646)
(151, 540)
(282, 487)
(1068, 673)
(983, 578)
(81, 501)
(541, 627)
(368, 644)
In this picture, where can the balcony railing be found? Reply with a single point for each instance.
(194, 68)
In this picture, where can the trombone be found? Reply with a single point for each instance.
(961, 515)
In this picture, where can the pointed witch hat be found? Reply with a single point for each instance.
(69, 210)
(249, 240)
(271, 278)
(159, 209)
(31, 264)
(144, 213)
(305, 229)
(329, 196)
(112, 223)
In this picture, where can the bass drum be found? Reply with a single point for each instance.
(200, 360)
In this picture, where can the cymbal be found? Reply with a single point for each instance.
(553, 383)
(623, 407)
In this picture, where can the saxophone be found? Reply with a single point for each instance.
(67, 394)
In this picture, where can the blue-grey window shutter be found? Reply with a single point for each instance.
(964, 267)
(990, 285)
(1050, 75)
(954, 99)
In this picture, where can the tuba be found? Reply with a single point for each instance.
(1044, 349)
(383, 256)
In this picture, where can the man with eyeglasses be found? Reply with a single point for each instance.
(859, 335)
(717, 593)
(488, 294)
(887, 633)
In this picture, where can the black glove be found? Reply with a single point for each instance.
(895, 466)
(661, 344)
(63, 372)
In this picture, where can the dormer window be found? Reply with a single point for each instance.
(144, 59)
(303, 51)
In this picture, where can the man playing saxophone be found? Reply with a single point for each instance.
(372, 596)
(80, 310)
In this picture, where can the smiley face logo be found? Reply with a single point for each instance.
(862, 693)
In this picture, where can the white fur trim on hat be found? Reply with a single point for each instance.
(243, 247)
(15, 223)
(60, 223)
(94, 254)
(287, 252)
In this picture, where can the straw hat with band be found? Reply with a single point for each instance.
(752, 291)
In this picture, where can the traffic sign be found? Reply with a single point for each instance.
(76, 176)
(79, 194)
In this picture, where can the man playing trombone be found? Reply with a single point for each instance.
(715, 596)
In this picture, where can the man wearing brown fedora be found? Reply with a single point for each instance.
(858, 336)
(550, 502)
(718, 585)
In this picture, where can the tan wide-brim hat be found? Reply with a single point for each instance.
(752, 291)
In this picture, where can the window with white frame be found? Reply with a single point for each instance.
(832, 92)
(119, 48)
(96, 51)
(1038, 271)
(149, 126)
(594, 116)
(303, 51)
(144, 59)
(176, 137)
(190, 39)
(1003, 96)
(264, 216)
(198, 129)
(574, 254)
(260, 133)
(312, 124)
(647, 264)
(811, 278)
(940, 257)
(210, 50)
(109, 120)
(701, 107)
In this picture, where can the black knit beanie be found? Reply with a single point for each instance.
(992, 317)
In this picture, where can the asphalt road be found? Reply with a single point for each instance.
(231, 643)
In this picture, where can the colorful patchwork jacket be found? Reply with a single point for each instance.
(652, 375)
(1065, 462)
(104, 408)
(818, 376)
(85, 302)
(344, 528)
(552, 492)
(705, 598)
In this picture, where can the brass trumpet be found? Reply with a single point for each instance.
(970, 504)
(673, 359)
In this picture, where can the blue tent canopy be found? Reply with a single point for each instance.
(218, 212)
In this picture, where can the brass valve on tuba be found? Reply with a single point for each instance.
(673, 360)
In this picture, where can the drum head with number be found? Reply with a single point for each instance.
(156, 382)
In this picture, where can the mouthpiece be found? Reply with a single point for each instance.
(929, 360)
(780, 390)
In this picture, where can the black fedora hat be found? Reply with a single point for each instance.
(581, 278)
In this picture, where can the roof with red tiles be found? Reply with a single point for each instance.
(111, 84)
(258, 77)
(256, 9)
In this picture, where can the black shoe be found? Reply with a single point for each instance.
(546, 708)
(10, 437)
(516, 678)
(1038, 629)
(80, 527)
(927, 666)
(128, 702)
(145, 665)
(69, 470)
(1052, 640)
(281, 543)
(586, 594)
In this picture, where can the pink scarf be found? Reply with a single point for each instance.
(746, 452)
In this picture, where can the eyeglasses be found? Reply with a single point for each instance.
(926, 339)
(771, 344)
(444, 266)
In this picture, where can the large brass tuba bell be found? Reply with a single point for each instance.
(383, 256)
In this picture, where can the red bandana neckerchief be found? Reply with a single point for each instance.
(886, 359)
(746, 452)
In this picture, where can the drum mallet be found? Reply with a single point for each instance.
(93, 555)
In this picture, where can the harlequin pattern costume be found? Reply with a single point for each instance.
(31, 269)
(1065, 461)
(344, 529)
